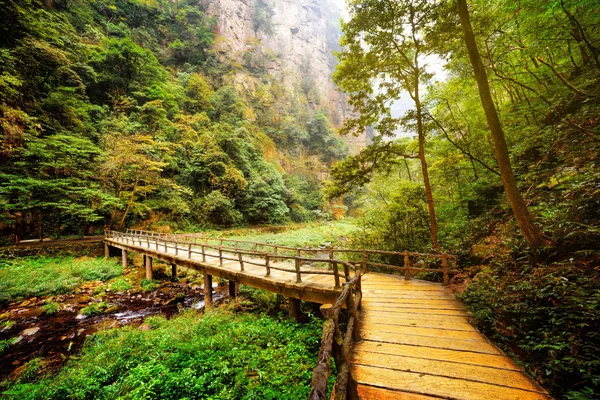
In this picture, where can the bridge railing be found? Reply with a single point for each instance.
(337, 345)
(407, 263)
(191, 247)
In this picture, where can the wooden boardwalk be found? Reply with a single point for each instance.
(418, 344)
(414, 339)
(285, 275)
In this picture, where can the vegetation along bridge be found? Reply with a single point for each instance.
(403, 338)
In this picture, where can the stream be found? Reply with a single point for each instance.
(57, 337)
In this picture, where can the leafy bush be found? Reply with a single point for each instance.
(40, 276)
(546, 317)
(219, 355)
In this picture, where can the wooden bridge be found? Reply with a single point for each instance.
(403, 339)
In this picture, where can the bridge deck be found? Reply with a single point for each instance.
(316, 288)
(419, 344)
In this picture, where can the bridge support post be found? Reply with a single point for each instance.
(294, 310)
(148, 268)
(173, 271)
(124, 258)
(208, 298)
(106, 250)
(233, 289)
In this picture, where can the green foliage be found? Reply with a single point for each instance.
(51, 308)
(261, 19)
(94, 308)
(148, 285)
(40, 276)
(115, 113)
(218, 355)
(338, 233)
(548, 317)
(120, 284)
(6, 343)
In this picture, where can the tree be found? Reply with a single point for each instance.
(530, 230)
(385, 43)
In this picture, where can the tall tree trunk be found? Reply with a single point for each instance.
(428, 194)
(531, 232)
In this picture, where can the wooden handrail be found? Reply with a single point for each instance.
(407, 268)
(191, 247)
(345, 385)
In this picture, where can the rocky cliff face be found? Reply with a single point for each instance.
(300, 39)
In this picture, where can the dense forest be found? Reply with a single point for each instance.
(500, 164)
(125, 113)
(118, 112)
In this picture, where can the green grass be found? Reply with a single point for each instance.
(337, 233)
(220, 355)
(39, 276)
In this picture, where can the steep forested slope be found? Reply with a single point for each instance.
(113, 112)
(539, 302)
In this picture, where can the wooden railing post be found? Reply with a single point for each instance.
(406, 266)
(241, 261)
(330, 266)
(220, 257)
(267, 264)
(208, 298)
(445, 269)
(298, 276)
(346, 272)
(336, 275)
(176, 248)
(203, 253)
(173, 272)
(189, 250)
(275, 252)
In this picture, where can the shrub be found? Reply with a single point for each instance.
(220, 355)
(546, 317)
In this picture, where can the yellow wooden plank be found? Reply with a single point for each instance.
(421, 323)
(500, 377)
(399, 315)
(408, 294)
(431, 353)
(420, 331)
(366, 392)
(410, 306)
(438, 386)
(415, 310)
(445, 301)
(476, 346)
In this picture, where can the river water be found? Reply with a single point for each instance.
(57, 337)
